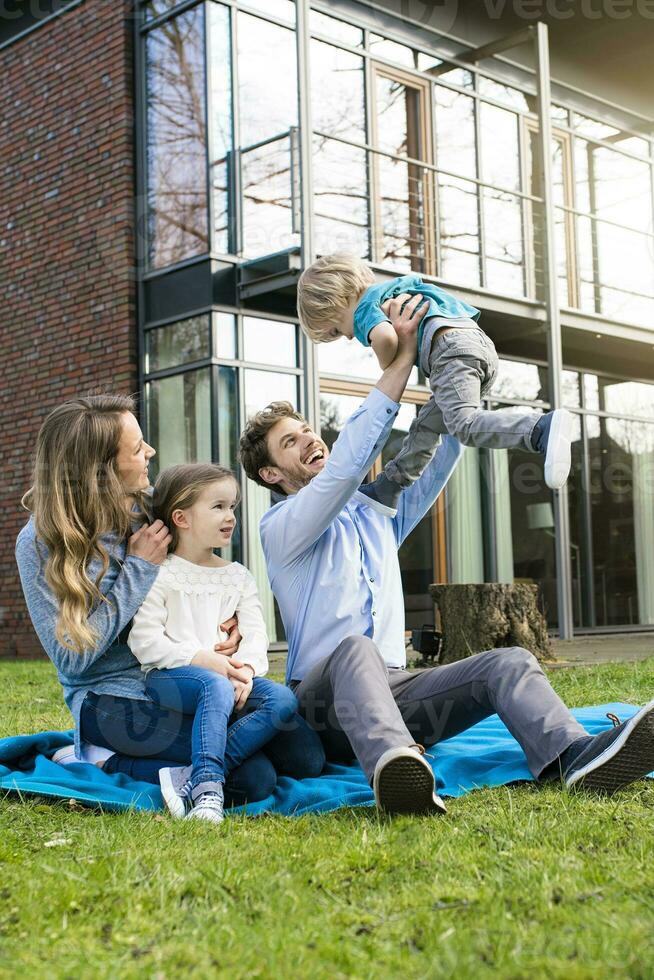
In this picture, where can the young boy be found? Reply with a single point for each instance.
(338, 297)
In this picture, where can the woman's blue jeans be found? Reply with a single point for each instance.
(191, 719)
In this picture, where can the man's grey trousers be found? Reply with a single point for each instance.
(361, 708)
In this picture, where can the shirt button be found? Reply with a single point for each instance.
(372, 580)
(374, 612)
(388, 411)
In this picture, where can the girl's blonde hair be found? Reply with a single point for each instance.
(178, 487)
(76, 497)
(326, 288)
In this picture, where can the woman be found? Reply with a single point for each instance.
(87, 559)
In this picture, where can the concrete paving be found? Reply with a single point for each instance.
(603, 649)
(583, 650)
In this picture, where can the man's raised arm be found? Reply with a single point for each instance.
(418, 499)
(289, 530)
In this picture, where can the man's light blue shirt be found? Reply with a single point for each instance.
(331, 552)
(368, 312)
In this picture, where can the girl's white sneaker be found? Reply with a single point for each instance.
(175, 784)
(208, 806)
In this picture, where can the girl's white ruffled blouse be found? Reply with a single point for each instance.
(182, 612)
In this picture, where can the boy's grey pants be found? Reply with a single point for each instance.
(361, 708)
(461, 365)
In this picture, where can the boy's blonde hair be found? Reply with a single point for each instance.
(325, 290)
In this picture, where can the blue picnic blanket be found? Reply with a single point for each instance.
(484, 755)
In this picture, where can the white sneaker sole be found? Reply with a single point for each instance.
(172, 799)
(404, 783)
(65, 756)
(628, 758)
(558, 454)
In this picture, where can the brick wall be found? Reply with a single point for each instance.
(68, 320)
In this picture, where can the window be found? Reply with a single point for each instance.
(177, 343)
(267, 112)
(178, 411)
(502, 211)
(615, 240)
(176, 139)
(269, 341)
(562, 191)
(340, 190)
(340, 198)
(337, 99)
(403, 193)
(338, 30)
(220, 75)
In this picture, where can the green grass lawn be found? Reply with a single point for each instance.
(514, 882)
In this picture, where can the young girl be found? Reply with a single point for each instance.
(236, 711)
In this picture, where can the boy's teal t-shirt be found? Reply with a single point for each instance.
(368, 312)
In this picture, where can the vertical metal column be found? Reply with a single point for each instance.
(554, 345)
(307, 246)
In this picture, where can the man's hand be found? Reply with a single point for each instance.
(229, 647)
(405, 320)
(405, 323)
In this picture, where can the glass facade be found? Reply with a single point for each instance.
(416, 164)
(440, 170)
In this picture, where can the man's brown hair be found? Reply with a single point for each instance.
(254, 451)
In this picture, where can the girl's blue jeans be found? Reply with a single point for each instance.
(191, 718)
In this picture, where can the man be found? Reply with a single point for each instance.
(331, 554)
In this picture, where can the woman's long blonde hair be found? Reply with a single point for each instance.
(75, 498)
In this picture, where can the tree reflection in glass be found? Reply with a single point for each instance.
(402, 216)
(337, 99)
(340, 198)
(458, 201)
(220, 74)
(176, 140)
(266, 110)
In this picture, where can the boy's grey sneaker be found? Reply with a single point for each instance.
(176, 789)
(617, 757)
(404, 782)
(552, 436)
(208, 806)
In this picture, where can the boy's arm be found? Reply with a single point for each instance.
(383, 341)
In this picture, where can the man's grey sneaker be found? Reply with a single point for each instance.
(208, 806)
(552, 436)
(175, 786)
(404, 782)
(617, 757)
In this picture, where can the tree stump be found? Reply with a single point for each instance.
(476, 617)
